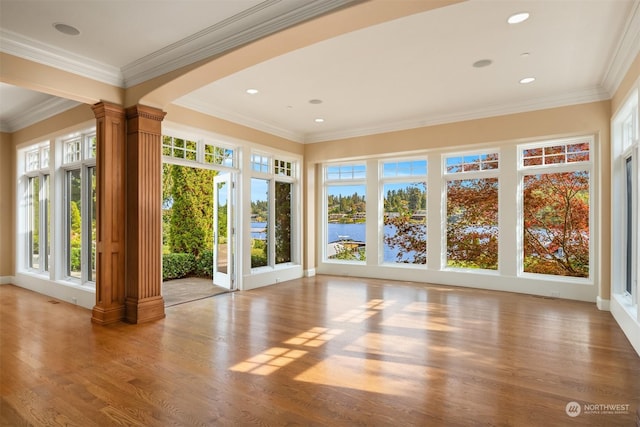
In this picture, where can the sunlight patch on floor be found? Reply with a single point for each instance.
(364, 312)
(387, 345)
(377, 376)
(418, 315)
(314, 337)
(275, 358)
(268, 361)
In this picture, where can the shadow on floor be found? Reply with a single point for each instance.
(180, 291)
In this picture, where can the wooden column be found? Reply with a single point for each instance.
(110, 214)
(144, 301)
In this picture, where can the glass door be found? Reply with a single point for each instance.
(223, 232)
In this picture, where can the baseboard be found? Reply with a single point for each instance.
(603, 304)
(7, 280)
(310, 272)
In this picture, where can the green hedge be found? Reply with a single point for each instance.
(204, 264)
(175, 266)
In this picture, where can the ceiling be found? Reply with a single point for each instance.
(409, 72)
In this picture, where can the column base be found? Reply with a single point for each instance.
(144, 310)
(106, 316)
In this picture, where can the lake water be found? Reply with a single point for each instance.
(336, 232)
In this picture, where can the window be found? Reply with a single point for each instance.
(282, 167)
(472, 210)
(345, 205)
(404, 193)
(38, 205)
(175, 149)
(556, 208)
(179, 148)
(74, 223)
(259, 222)
(260, 163)
(214, 155)
(273, 192)
(284, 193)
(80, 207)
(34, 222)
(626, 194)
(630, 223)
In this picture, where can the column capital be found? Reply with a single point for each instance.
(146, 112)
(102, 109)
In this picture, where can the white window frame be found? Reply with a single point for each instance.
(482, 173)
(37, 165)
(83, 161)
(552, 168)
(399, 178)
(350, 179)
(268, 166)
(625, 144)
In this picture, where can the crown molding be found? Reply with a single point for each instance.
(259, 21)
(625, 53)
(42, 53)
(592, 94)
(263, 19)
(42, 111)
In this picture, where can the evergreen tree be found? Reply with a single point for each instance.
(191, 219)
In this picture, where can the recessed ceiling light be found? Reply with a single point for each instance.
(252, 91)
(527, 80)
(518, 18)
(315, 101)
(524, 55)
(66, 29)
(482, 63)
(319, 120)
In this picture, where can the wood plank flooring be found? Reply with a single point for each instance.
(320, 351)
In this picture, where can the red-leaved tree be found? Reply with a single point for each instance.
(556, 223)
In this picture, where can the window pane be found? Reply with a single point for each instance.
(472, 223)
(34, 222)
(73, 150)
(74, 224)
(282, 167)
(46, 234)
(92, 223)
(283, 222)
(346, 231)
(346, 172)
(557, 154)
(405, 227)
(629, 225)
(556, 224)
(33, 160)
(260, 163)
(217, 155)
(44, 158)
(259, 222)
(472, 162)
(92, 143)
(404, 168)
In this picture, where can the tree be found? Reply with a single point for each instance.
(409, 235)
(283, 222)
(556, 223)
(472, 223)
(191, 217)
(410, 238)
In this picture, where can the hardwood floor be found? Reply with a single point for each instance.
(324, 351)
